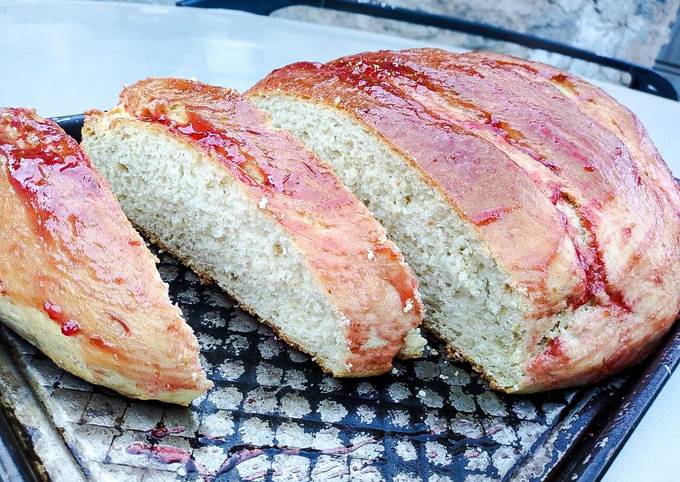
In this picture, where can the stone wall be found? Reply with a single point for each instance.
(633, 30)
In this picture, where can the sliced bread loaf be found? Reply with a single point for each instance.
(76, 280)
(541, 221)
(199, 168)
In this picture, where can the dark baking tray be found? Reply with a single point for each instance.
(427, 419)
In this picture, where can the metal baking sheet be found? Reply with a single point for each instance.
(274, 416)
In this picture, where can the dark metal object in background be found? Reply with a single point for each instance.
(668, 61)
(641, 78)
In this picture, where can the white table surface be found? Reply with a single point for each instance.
(66, 57)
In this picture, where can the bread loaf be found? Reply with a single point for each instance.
(199, 168)
(76, 279)
(541, 221)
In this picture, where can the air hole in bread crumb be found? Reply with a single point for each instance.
(278, 251)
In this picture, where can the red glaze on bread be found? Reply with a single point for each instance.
(345, 248)
(76, 279)
(561, 182)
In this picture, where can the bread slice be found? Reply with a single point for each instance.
(247, 206)
(539, 218)
(76, 280)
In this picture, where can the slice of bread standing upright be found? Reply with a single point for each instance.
(542, 223)
(76, 279)
(199, 168)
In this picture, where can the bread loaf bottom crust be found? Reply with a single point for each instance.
(39, 330)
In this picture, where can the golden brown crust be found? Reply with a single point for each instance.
(77, 279)
(562, 183)
(601, 107)
(345, 249)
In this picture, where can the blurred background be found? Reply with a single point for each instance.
(641, 31)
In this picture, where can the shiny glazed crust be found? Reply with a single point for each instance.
(562, 184)
(362, 273)
(76, 279)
